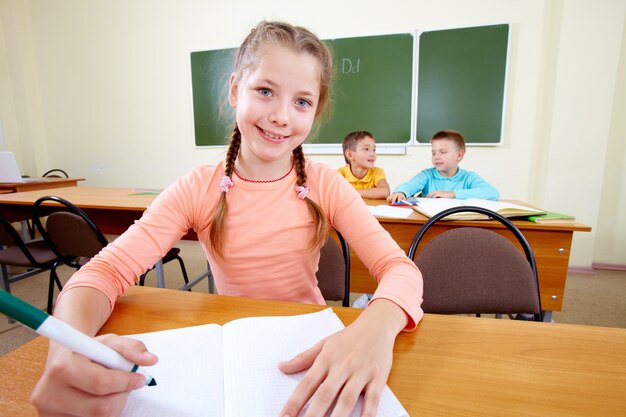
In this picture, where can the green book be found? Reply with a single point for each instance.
(552, 217)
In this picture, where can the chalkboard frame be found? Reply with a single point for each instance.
(467, 95)
(333, 146)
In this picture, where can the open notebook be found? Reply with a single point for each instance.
(431, 206)
(230, 370)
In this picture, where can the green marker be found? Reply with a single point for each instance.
(66, 335)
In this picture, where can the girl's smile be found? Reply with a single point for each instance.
(275, 103)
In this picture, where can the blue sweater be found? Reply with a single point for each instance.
(464, 183)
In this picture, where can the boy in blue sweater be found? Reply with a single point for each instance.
(446, 179)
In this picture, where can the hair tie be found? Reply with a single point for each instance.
(226, 183)
(302, 191)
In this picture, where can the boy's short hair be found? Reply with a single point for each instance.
(452, 135)
(352, 139)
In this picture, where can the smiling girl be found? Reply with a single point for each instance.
(261, 216)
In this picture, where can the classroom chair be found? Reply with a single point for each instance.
(35, 255)
(75, 238)
(333, 274)
(55, 173)
(471, 270)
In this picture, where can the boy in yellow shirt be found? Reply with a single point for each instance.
(359, 151)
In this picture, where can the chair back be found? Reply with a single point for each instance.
(333, 274)
(472, 270)
(69, 232)
(55, 173)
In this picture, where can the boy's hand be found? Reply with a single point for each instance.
(395, 197)
(441, 194)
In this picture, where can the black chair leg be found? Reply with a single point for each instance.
(53, 279)
(142, 278)
(184, 271)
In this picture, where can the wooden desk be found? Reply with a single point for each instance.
(42, 184)
(450, 366)
(114, 209)
(551, 245)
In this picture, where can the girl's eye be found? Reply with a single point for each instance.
(303, 103)
(265, 92)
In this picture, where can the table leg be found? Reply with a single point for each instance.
(159, 274)
(547, 316)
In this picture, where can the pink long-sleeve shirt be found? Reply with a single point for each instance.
(268, 229)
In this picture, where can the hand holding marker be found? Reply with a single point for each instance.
(64, 334)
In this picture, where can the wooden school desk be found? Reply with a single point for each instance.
(550, 243)
(114, 209)
(40, 184)
(449, 366)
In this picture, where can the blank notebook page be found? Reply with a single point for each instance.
(188, 374)
(253, 385)
(231, 370)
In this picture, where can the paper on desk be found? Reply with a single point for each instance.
(230, 370)
(385, 210)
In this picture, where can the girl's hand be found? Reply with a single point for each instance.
(342, 366)
(73, 385)
(395, 197)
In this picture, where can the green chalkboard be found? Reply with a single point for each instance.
(461, 83)
(372, 90)
(213, 117)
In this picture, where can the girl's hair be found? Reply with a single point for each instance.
(300, 40)
(452, 135)
(351, 141)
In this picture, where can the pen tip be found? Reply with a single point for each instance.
(152, 382)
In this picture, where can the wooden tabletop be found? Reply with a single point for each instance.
(88, 197)
(138, 200)
(419, 218)
(449, 366)
(39, 184)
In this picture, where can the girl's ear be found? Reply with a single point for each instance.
(232, 91)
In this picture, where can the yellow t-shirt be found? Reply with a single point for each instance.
(368, 181)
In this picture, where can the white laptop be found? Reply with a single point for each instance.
(9, 172)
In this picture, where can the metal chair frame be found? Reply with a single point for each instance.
(494, 216)
(37, 266)
(71, 261)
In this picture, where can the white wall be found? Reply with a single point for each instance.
(102, 89)
(610, 245)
